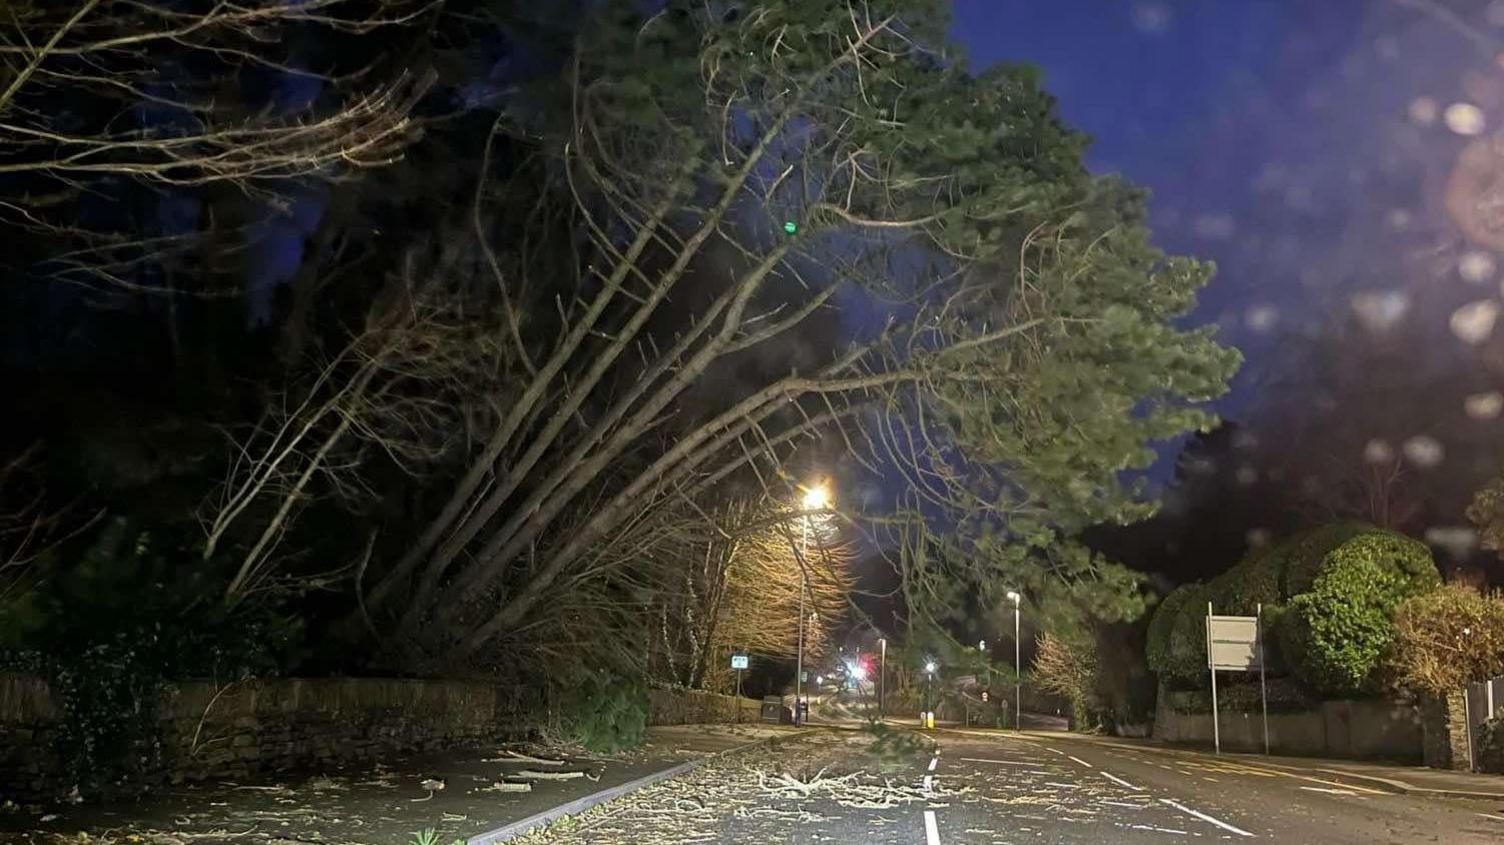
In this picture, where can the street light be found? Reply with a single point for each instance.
(1018, 672)
(816, 497)
(929, 685)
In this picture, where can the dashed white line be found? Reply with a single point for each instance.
(1204, 817)
(928, 782)
(931, 828)
(1120, 782)
(1053, 750)
(934, 761)
(1079, 760)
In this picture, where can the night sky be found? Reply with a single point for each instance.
(1276, 136)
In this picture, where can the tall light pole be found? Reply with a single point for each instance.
(1018, 672)
(815, 498)
(929, 684)
(882, 675)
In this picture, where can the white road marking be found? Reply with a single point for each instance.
(931, 829)
(928, 782)
(934, 761)
(998, 762)
(1492, 816)
(1053, 750)
(1204, 817)
(1082, 762)
(1122, 804)
(1120, 782)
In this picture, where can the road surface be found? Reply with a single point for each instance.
(987, 787)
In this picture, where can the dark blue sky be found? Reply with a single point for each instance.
(1206, 103)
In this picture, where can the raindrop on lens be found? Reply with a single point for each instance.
(1423, 450)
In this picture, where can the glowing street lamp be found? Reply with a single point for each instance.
(1018, 682)
(816, 497)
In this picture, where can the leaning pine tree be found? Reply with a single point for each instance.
(804, 222)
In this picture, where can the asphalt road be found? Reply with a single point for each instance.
(987, 787)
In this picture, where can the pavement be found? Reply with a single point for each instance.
(986, 787)
(451, 793)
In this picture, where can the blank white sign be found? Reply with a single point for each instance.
(1232, 642)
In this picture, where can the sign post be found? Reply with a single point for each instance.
(1235, 643)
(739, 663)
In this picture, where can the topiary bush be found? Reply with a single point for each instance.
(1157, 638)
(1254, 580)
(604, 713)
(1335, 635)
(1177, 637)
(1302, 555)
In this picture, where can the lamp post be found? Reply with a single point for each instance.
(929, 686)
(815, 498)
(882, 676)
(1018, 672)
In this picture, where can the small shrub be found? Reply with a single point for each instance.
(1447, 638)
(604, 713)
(1489, 743)
(107, 629)
(1336, 634)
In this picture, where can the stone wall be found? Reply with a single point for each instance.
(1373, 729)
(1444, 725)
(693, 707)
(257, 728)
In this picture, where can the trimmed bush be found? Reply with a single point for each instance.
(1157, 639)
(1335, 634)
(1303, 554)
(1182, 660)
(1254, 580)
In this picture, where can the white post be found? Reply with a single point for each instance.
(1263, 692)
(1216, 728)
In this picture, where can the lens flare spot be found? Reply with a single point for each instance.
(1476, 266)
(1424, 110)
(1464, 119)
(1484, 406)
(1424, 451)
(1378, 452)
(1380, 310)
(1474, 322)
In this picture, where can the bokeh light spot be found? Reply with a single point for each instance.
(1464, 119)
(1424, 451)
(1474, 322)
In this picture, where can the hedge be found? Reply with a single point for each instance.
(1348, 578)
(1336, 633)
